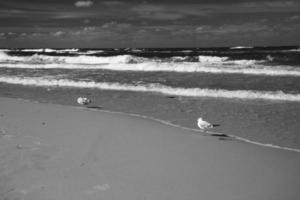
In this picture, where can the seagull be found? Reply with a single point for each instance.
(83, 101)
(203, 125)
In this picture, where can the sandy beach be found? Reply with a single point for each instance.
(266, 122)
(61, 152)
(150, 100)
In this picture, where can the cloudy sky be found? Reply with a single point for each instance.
(148, 23)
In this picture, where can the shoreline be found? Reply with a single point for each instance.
(221, 136)
(259, 122)
(66, 152)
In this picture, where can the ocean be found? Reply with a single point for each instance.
(270, 73)
(247, 74)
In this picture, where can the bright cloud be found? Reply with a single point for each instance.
(86, 4)
(89, 28)
(59, 33)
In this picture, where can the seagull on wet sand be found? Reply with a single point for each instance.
(203, 125)
(83, 101)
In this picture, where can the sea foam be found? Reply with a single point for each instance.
(205, 64)
(168, 67)
(45, 59)
(158, 88)
(242, 47)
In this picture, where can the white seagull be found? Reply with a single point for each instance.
(83, 101)
(203, 125)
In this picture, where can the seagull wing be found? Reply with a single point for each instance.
(204, 125)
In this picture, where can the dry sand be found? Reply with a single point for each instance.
(55, 152)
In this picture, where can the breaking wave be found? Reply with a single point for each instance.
(206, 64)
(47, 50)
(168, 67)
(158, 88)
(44, 59)
(60, 51)
(90, 60)
(93, 52)
(242, 47)
(293, 50)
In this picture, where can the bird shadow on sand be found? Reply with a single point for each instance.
(95, 107)
(216, 125)
(219, 135)
(171, 97)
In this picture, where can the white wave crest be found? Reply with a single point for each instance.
(293, 50)
(212, 59)
(82, 59)
(206, 64)
(242, 47)
(158, 88)
(216, 60)
(184, 67)
(47, 50)
(92, 52)
(87, 59)
(32, 50)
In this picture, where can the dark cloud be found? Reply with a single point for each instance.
(152, 22)
(113, 3)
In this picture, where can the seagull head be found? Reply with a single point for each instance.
(200, 119)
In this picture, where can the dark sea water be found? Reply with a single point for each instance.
(270, 73)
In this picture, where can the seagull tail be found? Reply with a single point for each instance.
(214, 125)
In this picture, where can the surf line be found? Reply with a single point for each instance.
(155, 88)
(197, 131)
(204, 133)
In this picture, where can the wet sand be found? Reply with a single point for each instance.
(61, 152)
(268, 122)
